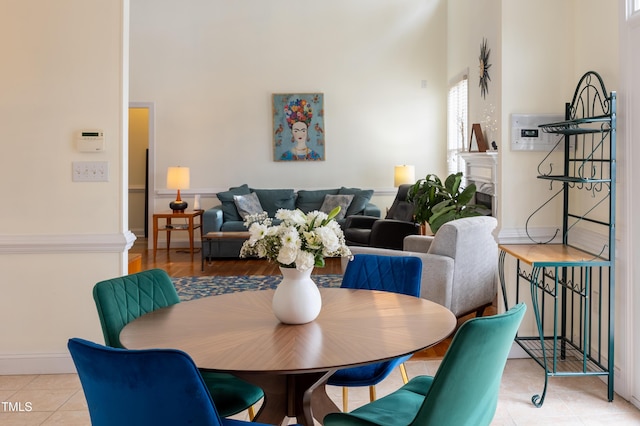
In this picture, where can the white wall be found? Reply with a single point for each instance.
(63, 71)
(539, 50)
(211, 67)
(538, 77)
(628, 130)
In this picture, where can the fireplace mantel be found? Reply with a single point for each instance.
(481, 168)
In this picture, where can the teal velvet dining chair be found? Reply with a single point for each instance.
(386, 273)
(464, 390)
(123, 299)
(143, 387)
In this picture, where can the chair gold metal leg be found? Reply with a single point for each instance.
(403, 372)
(372, 393)
(252, 413)
(345, 399)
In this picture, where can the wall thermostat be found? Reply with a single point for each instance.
(90, 141)
(527, 136)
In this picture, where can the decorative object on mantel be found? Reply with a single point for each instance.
(300, 242)
(404, 174)
(437, 203)
(490, 124)
(178, 178)
(481, 143)
(484, 66)
(298, 127)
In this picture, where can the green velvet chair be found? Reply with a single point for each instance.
(464, 390)
(121, 300)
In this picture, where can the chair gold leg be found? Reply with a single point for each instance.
(345, 399)
(252, 413)
(403, 372)
(372, 393)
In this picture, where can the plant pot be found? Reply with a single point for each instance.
(425, 229)
(297, 299)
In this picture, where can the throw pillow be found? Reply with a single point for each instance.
(274, 199)
(310, 200)
(247, 204)
(228, 206)
(362, 197)
(333, 201)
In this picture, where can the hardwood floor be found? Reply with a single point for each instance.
(177, 263)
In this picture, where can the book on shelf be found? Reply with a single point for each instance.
(177, 226)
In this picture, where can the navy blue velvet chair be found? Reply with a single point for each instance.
(387, 273)
(143, 387)
(121, 300)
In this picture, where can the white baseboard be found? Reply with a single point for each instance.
(138, 232)
(16, 364)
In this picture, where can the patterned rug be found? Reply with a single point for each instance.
(195, 287)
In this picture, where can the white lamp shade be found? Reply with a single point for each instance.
(178, 178)
(404, 174)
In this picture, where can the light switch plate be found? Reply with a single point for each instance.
(90, 171)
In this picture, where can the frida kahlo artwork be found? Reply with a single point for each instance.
(298, 127)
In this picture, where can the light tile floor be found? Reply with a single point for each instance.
(58, 399)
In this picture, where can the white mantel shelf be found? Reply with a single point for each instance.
(481, 166)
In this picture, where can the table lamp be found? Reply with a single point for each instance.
(404, 174)
(178, 178)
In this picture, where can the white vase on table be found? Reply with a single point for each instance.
(297, 299)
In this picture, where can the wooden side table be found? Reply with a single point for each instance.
(172, 226)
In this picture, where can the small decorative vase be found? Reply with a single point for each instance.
(297, 299)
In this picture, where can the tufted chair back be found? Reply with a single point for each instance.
(387, 273)
(123, 299)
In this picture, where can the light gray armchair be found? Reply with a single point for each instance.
(459, 263)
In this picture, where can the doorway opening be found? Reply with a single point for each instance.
(141, 167)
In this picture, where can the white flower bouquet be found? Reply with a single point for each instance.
(300, 241)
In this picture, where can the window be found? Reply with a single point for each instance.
(457, 119)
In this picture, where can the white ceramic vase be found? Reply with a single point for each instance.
(297, 299)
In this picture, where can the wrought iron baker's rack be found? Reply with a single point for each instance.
(572, 284)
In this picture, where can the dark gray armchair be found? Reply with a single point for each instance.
(383, 233)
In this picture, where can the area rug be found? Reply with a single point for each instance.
(190, 288)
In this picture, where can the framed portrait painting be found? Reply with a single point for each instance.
(298, 127)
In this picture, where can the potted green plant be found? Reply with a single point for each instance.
(437, 203)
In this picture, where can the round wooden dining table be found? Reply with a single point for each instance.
(238, 333)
